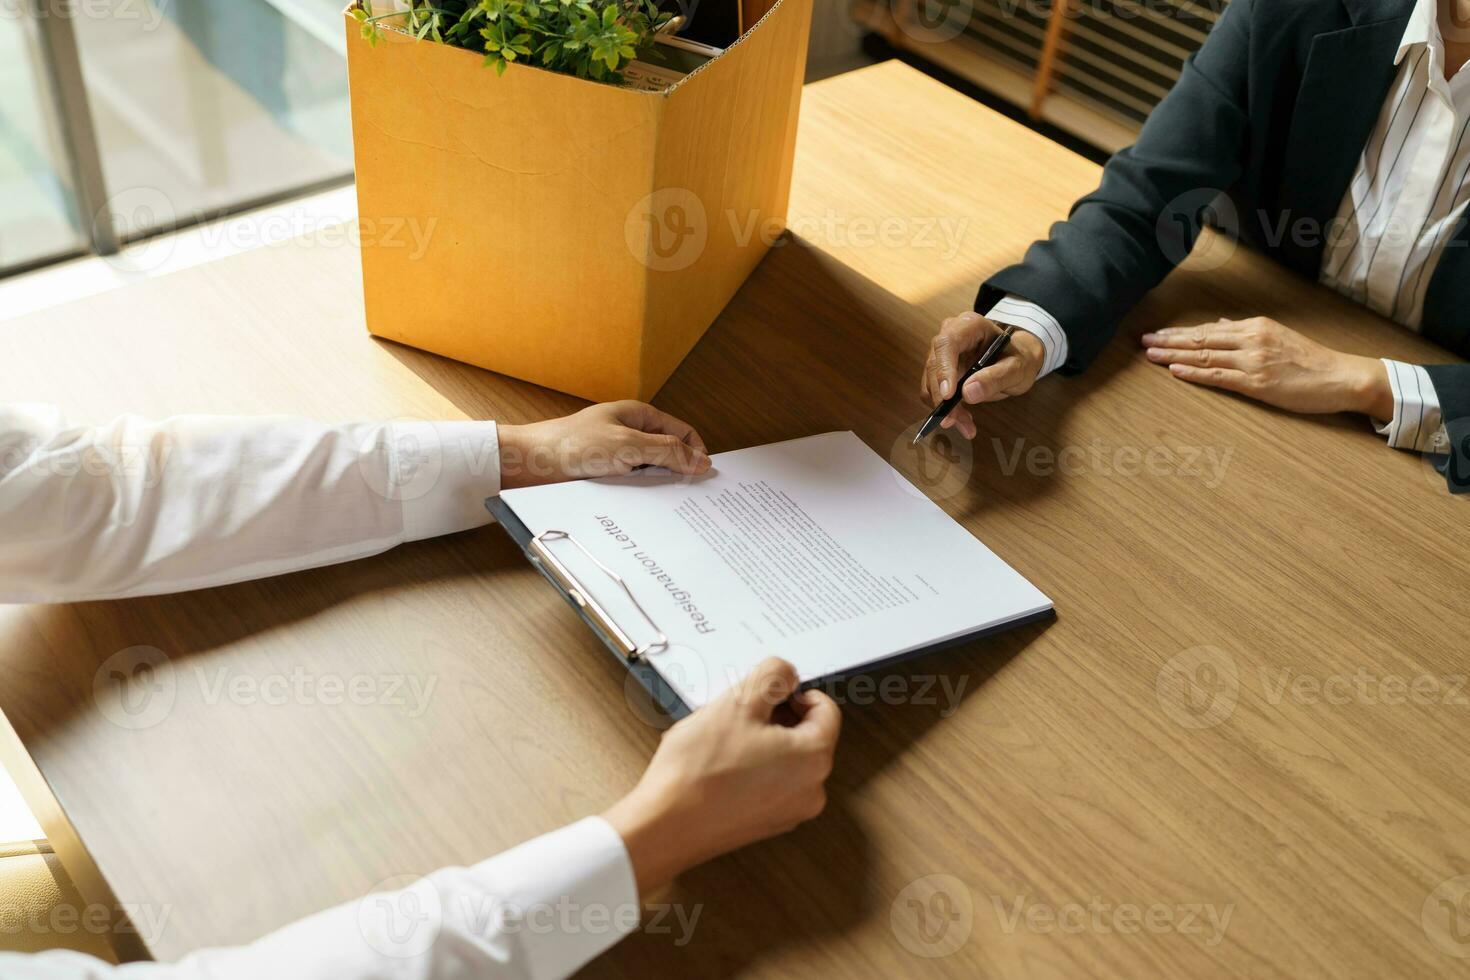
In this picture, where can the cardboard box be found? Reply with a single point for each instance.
(572, 233)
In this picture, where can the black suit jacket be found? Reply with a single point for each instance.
(1274, 110)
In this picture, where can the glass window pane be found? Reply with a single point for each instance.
(36, 210)
(203, 106)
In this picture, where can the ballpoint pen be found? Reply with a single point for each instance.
(996, 348)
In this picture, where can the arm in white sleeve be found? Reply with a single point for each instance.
(1417, 424)
(539, 911)
(137, 507)
(1028, 316)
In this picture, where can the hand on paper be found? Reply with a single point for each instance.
(611, 439)
(749, 765)
(960, 340)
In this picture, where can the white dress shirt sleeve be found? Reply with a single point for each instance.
(1416, 424)
(138, 507)
(1017, 312)
(539, 911)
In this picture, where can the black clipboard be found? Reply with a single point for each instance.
(633, 657)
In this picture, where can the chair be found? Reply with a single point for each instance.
(41, 909)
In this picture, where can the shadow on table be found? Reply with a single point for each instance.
(809, 345)
(77, 639)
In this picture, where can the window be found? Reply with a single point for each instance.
(37, 213)
(140, 116)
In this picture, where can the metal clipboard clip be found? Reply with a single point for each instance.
(588, 604)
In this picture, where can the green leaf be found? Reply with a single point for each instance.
(587, 38)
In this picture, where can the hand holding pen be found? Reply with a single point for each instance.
(961, 342)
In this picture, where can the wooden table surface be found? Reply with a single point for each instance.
(1238, 750)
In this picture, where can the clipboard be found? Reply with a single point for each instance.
(632, 655)
(622, 646)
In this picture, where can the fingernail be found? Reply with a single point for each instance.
(974, 391)
(1149, 339)
(1176, 368)
(946, 422)
(1155, 353)
(944, 388)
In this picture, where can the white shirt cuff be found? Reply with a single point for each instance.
(1416, 424)
(571, 894)
(540, 911)
(1017, 312)
(442, 472)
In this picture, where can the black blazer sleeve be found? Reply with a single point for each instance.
(1452, 388)
(1122, 240)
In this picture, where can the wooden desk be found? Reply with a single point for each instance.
(1090, 808)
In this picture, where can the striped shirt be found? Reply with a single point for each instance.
(1406, 198)
(1409, 190)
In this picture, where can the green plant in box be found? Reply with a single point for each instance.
(587, 38)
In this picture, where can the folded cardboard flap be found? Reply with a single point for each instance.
(573, 233)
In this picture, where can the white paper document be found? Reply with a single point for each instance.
(815, 550)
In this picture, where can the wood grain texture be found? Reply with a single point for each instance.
(1148, 759)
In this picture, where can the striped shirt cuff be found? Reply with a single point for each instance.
(1416, 424)
(1017, 312)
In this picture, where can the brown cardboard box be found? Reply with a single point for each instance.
(568, 232)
